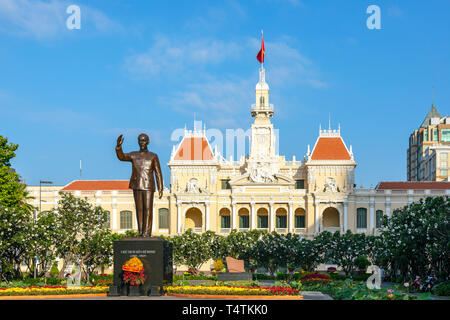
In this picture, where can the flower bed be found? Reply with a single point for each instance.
(102, 280)
(230, 290)
(51, 290)
(315, 278)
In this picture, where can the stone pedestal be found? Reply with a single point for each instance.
(156, 256)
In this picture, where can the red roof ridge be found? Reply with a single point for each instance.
(96, 185)
(188, 149)
(412, 185)
(330, 150)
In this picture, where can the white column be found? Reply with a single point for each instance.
(155, 218)
(233, 215)
(388, 206)
(372, 215)
(316, 217)
(291, 218)
(410, 196)
(114, 215)
(271, 220)
(207, 216)
(252, 216)
(345, 216)
(179, 224)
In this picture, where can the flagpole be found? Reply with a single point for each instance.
(262, 63)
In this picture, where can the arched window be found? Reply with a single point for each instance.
(379, 218)
(263, 218)
(163, 214)
(126, 220)
(300, 215)
(224, 218)
(107, 224)
(281, 218)
(361, 218)
(244, 218)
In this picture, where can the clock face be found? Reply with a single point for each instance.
(262, 138)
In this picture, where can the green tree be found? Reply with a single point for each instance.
(15, 225)
(236, 244)
(344, 249)
(79, 226)
(415, 240)
(12, 192)
(40, 242)
(192, 249)
(310, 253)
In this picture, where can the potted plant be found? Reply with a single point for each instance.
(291, 268)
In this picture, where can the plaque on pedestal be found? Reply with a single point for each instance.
(156, 257)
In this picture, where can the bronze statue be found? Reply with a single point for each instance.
(144, 163)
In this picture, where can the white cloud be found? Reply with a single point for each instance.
(395, 11)
(168, 56)
(215, 96)
(213, 100)
(294, 3)
(287, 66)
(46, 19)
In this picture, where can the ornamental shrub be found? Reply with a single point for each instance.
(362, 263)
(442, 289)
(54, 270)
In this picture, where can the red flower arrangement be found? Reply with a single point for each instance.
(134, 278)
(133, 272)
(331, 269)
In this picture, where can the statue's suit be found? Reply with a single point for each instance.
(145, 164)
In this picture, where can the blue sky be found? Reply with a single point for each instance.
(149, 66)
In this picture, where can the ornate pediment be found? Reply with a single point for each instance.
(330, 185)
(193, 186)
(245, 180)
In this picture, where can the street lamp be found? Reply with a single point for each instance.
(41, 182)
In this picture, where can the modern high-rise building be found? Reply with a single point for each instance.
(428, 153)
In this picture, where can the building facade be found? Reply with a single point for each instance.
(429, 149)
(262, 190)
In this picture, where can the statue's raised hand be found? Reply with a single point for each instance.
(120, 140)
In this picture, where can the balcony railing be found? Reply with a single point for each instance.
(332, 229)
(259, 107)
(225, 230)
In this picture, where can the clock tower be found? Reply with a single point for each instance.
(263, 162)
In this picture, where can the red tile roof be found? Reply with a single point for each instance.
(415, 185)
(330, 148)
(97, 185)
(196, 148)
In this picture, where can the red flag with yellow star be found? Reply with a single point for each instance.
(261, 52)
